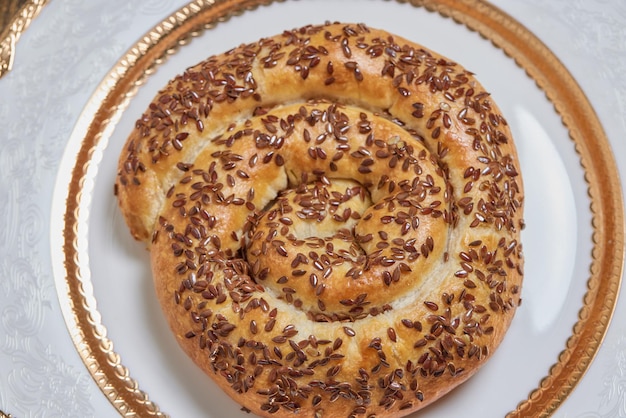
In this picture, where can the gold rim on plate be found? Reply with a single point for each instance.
(14, 30)
(593, 148)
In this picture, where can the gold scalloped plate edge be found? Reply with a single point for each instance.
(604, 189)
(14, 30)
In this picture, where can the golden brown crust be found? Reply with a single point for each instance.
(333, 216)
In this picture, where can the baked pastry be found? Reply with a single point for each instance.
(333, 216)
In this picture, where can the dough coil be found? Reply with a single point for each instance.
(333, 216)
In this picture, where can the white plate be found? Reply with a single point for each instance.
(114, 270)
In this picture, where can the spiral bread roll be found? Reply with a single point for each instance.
(333, 216)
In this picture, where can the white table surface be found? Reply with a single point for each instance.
(41, 374)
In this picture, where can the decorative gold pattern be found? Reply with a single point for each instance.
(529, 52)
(10, 36)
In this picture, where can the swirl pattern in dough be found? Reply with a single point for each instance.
(333, 216)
